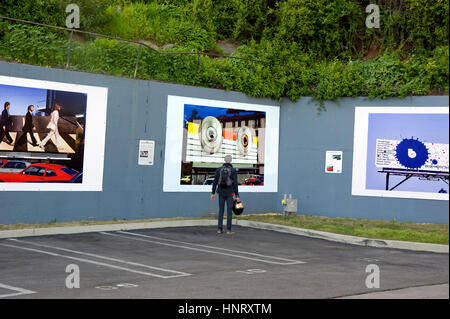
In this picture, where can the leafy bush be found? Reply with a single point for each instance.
(232, 19)
(42, 11)
(160, 23)
(33, 45)
(322, 27)
(437, 68)
(315, 48)
(427, 22)
(93, 14)
(105, 56)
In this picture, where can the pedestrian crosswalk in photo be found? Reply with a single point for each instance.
(23, 143)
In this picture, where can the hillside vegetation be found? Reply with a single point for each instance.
(318, 48)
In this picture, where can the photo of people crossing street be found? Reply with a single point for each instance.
(42, 123)
(43, 135)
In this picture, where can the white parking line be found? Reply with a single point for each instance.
(252, 271)
(289, 261)
(177, 273)
(212, 250)
(20, 291)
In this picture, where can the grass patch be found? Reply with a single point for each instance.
(377, 229)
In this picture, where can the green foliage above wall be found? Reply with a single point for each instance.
(325, 47)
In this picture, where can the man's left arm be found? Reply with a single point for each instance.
(235, 184)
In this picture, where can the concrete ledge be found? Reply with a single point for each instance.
(420, 292)
(353, 240)
(369, 242)
(108, 227)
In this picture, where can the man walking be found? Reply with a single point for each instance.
(53, 126)
(29, 128)
(225, 181)
(4, 131)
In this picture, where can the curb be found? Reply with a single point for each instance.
(437, 291)
(98, 228)
(353, 240)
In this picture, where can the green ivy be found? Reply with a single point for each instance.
(316, 48)
(34, 45)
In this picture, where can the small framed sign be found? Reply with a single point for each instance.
(333, 162)
(146, 152)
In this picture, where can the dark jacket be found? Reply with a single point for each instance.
(5, 118)
(28, 127)
(226, 190)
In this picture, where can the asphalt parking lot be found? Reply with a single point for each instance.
(195, 262)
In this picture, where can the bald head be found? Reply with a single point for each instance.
(228, 159)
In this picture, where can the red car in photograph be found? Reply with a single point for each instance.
(3, 162)
(40, 173)
(253, 181)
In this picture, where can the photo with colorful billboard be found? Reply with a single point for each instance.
(207, 131)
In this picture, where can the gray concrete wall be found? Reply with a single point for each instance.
(137, 110)
(307, 135)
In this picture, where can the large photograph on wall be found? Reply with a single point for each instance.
(401, 152)
(51, 135)
(200, 133)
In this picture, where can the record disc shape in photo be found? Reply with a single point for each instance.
(244, 140)
(211, 135)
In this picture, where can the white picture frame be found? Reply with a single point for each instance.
(360, 151)
(94, 148)
(174, 143)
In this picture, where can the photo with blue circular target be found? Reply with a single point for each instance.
(408, 152)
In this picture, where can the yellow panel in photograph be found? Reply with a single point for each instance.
(193, 128)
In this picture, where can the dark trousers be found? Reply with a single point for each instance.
(5, 133)
(229, 200)
(33, 140)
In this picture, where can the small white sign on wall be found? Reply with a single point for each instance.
(333, 162)
(146, 152)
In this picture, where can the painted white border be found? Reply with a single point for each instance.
(174, 143)
(361, 129)
(94, 147)
(18, 291)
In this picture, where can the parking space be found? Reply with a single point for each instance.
(195, 262)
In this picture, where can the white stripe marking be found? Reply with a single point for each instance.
(32, 148)
(206, 246)
(64, 147)
(106, 258)
(20, 291)
(287, 261)
(6, 147)
(179, 274)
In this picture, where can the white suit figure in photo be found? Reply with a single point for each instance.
(53, 126)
